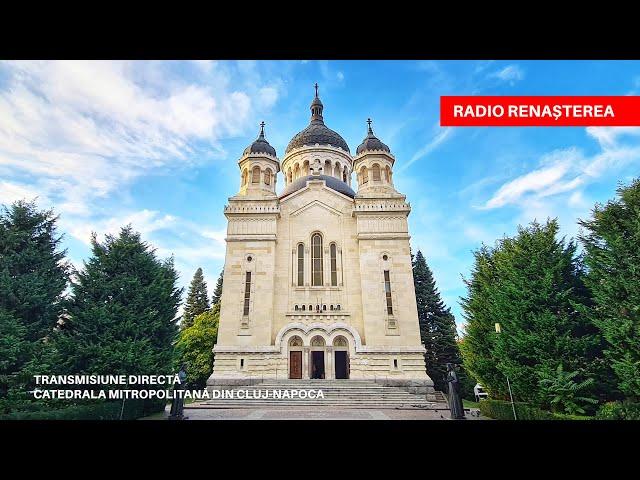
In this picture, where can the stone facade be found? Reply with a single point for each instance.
(318, 280)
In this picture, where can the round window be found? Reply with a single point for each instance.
(385, 258)
(249, 258)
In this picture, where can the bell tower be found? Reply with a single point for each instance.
(373, 165)
(259, 167)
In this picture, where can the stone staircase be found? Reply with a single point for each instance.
(363, 394)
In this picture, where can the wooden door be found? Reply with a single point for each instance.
(342, 364)
(295, 364)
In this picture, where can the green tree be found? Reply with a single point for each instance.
(122, 314)
(479, 339)
(33, 277)
(197, 299)
(33, 273)
(217, 293)
(563, 394)
(195, 346)
(467, 382)
(533, 287)
(437, 324)
(611, 242)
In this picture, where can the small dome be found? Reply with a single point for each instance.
(371, 142)
(331, 182)
(260, 145)
(317, 131)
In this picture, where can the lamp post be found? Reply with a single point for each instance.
(513, 406)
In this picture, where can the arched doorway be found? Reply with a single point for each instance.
(316, 358)
(295, 357)
(341, 357)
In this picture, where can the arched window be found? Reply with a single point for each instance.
(244, 177)
(296, 307)
(300, 265)
(304, 307)
(387, 292)
(386, 174)
(305, 168)
(316, 260)
(344, 175)
(340, 341)
(336, 170)
(310, 307)
(247, 293)
(334, 265)
(364, 175)
(289, 176)
(376, 172)
(255, 175)
(267, 177)
(327, 167)
(296, 171)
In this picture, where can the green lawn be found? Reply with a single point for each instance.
(470, 404)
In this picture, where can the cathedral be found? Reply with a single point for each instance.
(318, 281)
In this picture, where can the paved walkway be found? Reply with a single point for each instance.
(314, 413)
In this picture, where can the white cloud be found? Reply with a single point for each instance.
(510, 74)
(144, 221)
(10, 192)
(435, 142)
(577, 200)
(267, 96)
(85, 129)
(565, 171)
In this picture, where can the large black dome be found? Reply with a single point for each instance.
(331, 182)
(317, 131)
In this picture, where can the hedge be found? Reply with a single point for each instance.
(619, 411)
(133, 409)
(501, 410)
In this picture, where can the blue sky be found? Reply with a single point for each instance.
(156, 144)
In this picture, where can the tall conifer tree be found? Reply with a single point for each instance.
(33, 276)
(197, 299)
(437, 324)
(612, 245)
(123, 310)
(217, 293)
(532, 285)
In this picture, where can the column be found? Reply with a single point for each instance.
(329, 373)
(305, 363)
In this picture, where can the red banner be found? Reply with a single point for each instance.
(540, 111)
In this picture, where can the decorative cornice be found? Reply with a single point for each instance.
(252, 209)
(250, 238)
(316, 148)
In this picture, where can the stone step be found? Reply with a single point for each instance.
(288, 404)
(337, 394)
(325, 390)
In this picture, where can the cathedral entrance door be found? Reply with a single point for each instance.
(295, 364)
(317, 364)
(341, 362)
